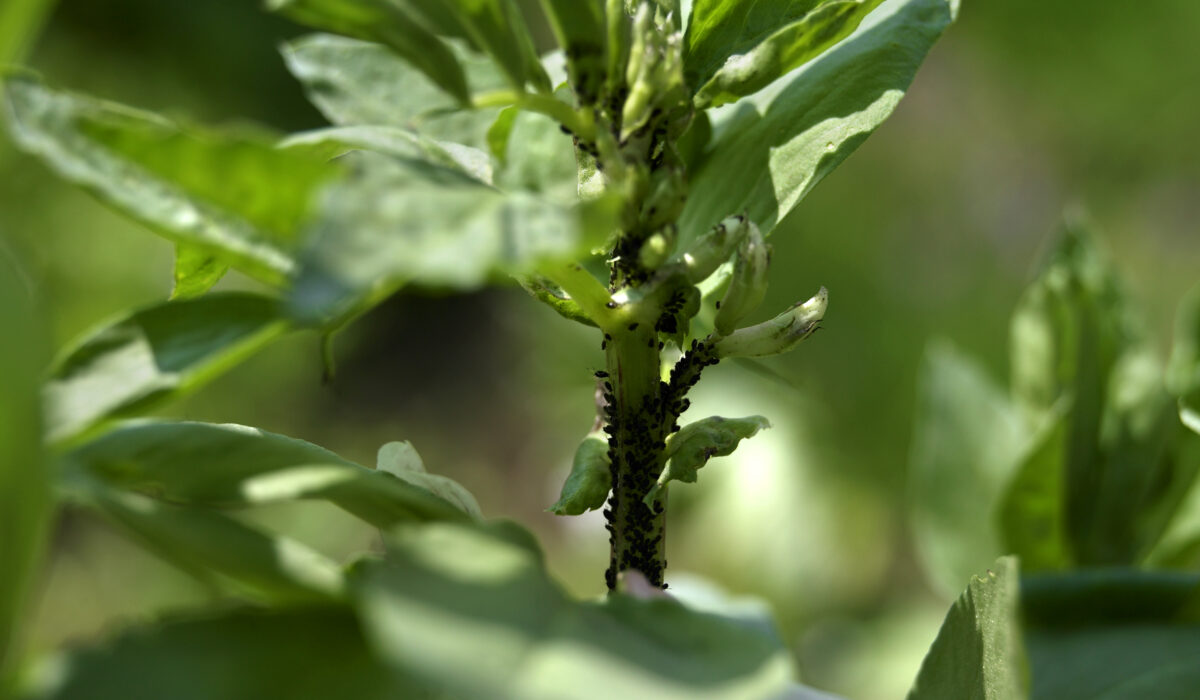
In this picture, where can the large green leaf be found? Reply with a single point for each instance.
(392, 223)
(1112, 634)
(977, 654)
(967, 441)
(152, 355)
(769, 150)
(719, 29)
(234, 196)
(471, 611)
(215, 547)
(387, 23)
(690, 449)
(245, 654)
(25, 503)
(786, 49)
(210, 465)
(358, 83)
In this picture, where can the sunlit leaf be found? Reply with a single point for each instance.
(401, 460)
(978, 654)
(770, 149)
(690, 449)
(471, 612)
(154, 354)
(233, 196)
(589, 482)
(220, 466)
(196, 271)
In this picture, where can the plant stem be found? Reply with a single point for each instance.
(636, 447)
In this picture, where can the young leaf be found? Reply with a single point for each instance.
(390, 224)
(580, 28)
(786, 49)
(588, 484)
(401, 460)
(692, 447)
(471, 611)
(977, 654)
(386, 23)
(772, 148)
(205, 191)
(196, 271)
(218, 466)
(1030, 513)
(152, 355)
(25, 475)
(967, 441)
(207, 543)
(242, 654)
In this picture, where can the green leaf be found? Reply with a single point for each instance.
(1189, 411)
(234, 196)
(580, 28)
(1183, 371)
(152, 355)
(404, 144)
(196, 271)
(1116, 635)
(357, 83)
(589, 482)
(19, 24)
(471, 611)
(220, 466)
(692, 447)
(539, 158)
(967, 441)
(401, 460)
(1030, 515)
(769, 150)
(386, 23)
(209, 544)
(786, 49)
(719, 29)
(390, 224)
(977, 654)
(244, 654)
(25, 499)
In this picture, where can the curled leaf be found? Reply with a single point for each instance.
(588, 484)
(696, 443)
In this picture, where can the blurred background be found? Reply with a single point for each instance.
(1026, 108)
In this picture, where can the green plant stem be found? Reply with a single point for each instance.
(636, 449)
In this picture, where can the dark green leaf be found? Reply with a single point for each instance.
(387, 23)
(690, 449)
(589, 482)
(787, 48)
(233, 196)
(977, 654)
(196, 271)
(580, 28)
(209, 465)
(967, 441)
(1183, 373)
(299, 654)
(471, 611)
(155, 354)
(391, 224)
(25, 501)
(772, 148)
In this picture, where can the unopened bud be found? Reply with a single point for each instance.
(707, 252)
(748, 285)
(778, 335)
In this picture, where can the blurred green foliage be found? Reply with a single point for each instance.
(932, 228)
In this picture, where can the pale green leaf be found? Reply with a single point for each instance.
(769, 150)
(216, 547)
(196, 271)
(977, 654)
(400, 143)
(784, 50)
(401, 460)
(25, 475)
(690, 449)
(590, 480)
(387, 23)
(243, 654)
(220, 466)
(154, 354)
(471, 611)
(966, 445)
(234, 196)
(391, 224)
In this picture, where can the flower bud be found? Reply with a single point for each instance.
(778, 335)
(748, 285)
(707, 252)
